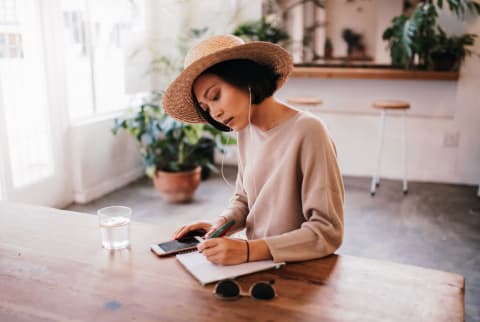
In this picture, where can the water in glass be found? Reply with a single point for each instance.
(115, 227)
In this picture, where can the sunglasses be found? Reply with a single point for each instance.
(230, 290)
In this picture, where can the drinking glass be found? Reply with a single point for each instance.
(115, 226)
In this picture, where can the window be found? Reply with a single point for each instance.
(8, 12)
(56, 54)
(95, 38)
(23, 89)
(10, 37)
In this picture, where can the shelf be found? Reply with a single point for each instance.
(371, 73)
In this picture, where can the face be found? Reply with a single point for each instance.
(226, 103)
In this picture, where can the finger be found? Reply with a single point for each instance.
(183, 232)
(185, 229)
(210, 232)
(208, 243)
(178, 231)
(216, 259)
(205, 245)
(211, 252)
(217, 225)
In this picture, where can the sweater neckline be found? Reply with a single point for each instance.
(278, 126)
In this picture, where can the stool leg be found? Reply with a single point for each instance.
(375, 178)
(404, 130)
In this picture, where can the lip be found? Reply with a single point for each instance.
(228, 121)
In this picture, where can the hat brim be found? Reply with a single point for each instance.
(177, 100)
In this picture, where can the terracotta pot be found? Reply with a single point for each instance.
(177, 187)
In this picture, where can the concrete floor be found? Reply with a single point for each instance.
(435, 226)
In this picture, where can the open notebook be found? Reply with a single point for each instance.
(206, 272)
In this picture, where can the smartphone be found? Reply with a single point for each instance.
(186, 243)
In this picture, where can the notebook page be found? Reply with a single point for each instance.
(206, 272)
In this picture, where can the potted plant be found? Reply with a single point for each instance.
(394, 36)
(328, 48)
(260, 30)
(173, 152)
(413, 39)
(354, 40)
(449, 52)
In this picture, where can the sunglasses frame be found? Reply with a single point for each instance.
(242, 294)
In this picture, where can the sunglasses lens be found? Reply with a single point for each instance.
(227, 290)
(263, 291)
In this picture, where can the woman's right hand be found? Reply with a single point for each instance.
(209, 227)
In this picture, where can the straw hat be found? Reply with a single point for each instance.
(177, 100)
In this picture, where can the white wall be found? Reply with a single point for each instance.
(360, 16)
(102, 162)
(467, 116)
(386, 11)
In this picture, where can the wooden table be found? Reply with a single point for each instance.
(52, 268)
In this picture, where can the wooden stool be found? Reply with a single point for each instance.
(385, 105)
(308, 102)
(305, 100)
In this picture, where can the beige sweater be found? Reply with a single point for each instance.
(289, 190)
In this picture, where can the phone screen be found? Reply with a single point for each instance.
(174, 245)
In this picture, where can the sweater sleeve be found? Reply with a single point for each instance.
(238, 206)
(322, 196)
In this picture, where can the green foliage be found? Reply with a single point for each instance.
(415, 38)
(449, 52)
(167, 144)
(459, 7)
(260, 30)
(353, 40)
(394, 35)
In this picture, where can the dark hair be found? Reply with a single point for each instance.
(242, 73)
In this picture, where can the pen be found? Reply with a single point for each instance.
(223, 229)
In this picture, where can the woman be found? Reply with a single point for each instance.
(289, 191)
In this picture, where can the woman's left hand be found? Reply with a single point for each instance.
(224, 251)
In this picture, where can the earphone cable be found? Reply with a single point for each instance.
(253, 145)
(223, 160)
